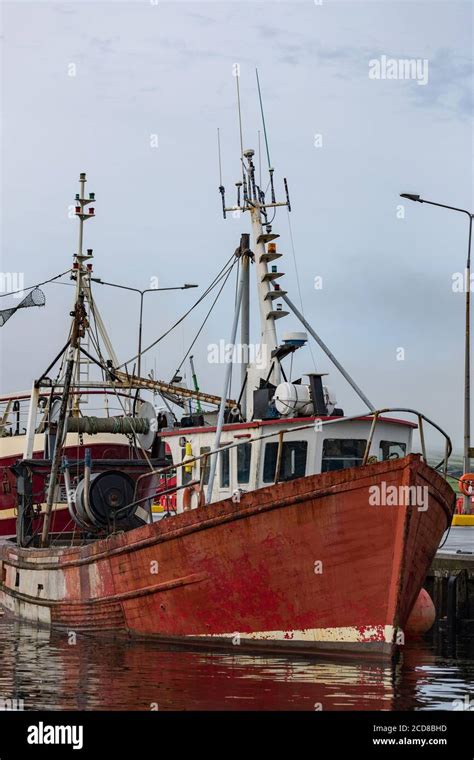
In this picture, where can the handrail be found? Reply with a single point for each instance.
(164, 471)
(337, 420)
(369, 439)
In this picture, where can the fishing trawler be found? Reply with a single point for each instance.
(296, 528)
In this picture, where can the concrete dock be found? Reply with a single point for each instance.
(450, 580)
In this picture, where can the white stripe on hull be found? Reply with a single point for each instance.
(35, 613)
(348, 634)
(12, 445)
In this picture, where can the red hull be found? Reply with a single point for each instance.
(309, 564)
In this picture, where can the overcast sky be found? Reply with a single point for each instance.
(141, 69)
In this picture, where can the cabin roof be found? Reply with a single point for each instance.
(279, 420)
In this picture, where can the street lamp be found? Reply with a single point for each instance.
(186, 286)
(467, 352)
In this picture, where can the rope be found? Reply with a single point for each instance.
(298, 282)
(32, 287)
(205, 320)
(201, 298)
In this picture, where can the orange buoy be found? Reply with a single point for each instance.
(189, 492)
(466, 483)
(422, 615)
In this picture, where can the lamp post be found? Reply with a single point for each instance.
(467, 349)
(186, 286)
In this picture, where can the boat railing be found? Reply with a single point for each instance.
(316, 425)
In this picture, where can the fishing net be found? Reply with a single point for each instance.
(35, 297)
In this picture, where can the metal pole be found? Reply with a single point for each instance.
(61, 429)
(245, 328)
(467, 345)
(269, 338)
(228, 371)
(328, 353)
(82, 182)
(139, 364)
(195, 383)
(467, 372)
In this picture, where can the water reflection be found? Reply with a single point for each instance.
(47, 672)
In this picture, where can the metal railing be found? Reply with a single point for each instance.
(376, 414)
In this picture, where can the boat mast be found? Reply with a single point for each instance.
(78, 321)
(78, 328)
(268, 333)
(245, 255)
(80, 269)
(251, 198)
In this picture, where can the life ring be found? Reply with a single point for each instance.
(466, 484)
(188, 494)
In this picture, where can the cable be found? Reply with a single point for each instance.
(205, 320)
(263, 119)
(181, 319)
(32, 287)
(298, 281)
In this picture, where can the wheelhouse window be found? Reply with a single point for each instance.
(340, 453)
(205, 465)
(293, 460)
(393, 450)
(224, 465)
(244, 458)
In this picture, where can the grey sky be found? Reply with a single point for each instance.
(166, 69)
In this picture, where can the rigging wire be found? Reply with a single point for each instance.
(263, 119)
(213, 284)
(32, 287)
(240, 119)
(96, 344)
(205, 319)
(236, 281)
(298, 280)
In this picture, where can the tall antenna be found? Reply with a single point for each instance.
(219, 154)
(270, 168)
(249, 192)
(263, 120)
(221, 186)
(237, 77)
(259, 161)
(246, 187)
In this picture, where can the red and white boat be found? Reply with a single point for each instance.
(13, 416)
(296, 528)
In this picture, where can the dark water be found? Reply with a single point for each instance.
(46, 672)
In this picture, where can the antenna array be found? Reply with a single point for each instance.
(250, 194)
